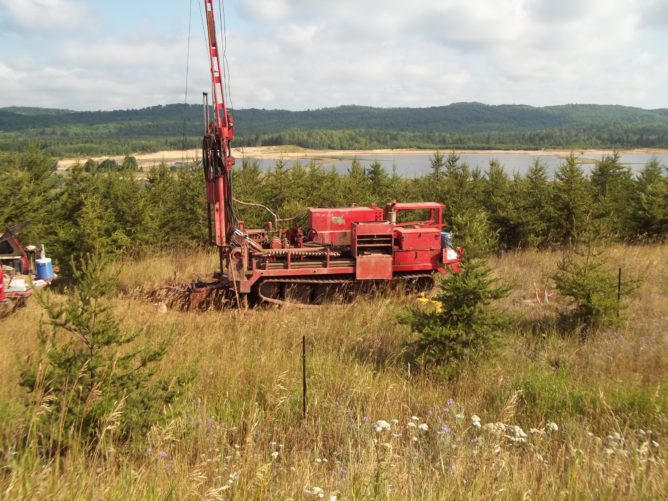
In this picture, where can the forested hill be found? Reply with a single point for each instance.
(456, 125)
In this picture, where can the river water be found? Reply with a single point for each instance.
(418, 164)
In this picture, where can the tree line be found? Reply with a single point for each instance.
(116, 209)
(456, 126)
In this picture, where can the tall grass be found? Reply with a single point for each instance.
(241, 434)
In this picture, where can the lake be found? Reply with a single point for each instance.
(418, 164)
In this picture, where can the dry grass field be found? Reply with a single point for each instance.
(545, 418)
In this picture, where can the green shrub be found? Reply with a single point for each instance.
(583, 276)
(474, 233)
(88, 376)
(464, 327)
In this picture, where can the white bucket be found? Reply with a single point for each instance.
(17, 285)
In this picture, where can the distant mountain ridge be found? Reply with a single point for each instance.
(458, 125)
(463, 117)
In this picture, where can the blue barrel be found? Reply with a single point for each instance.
(44, 269)
(446, 239)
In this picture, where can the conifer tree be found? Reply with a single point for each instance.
(498, 203)
(591, 285)
(571, 202)
(356, 185)
(379, 183)
(29, 191)
(534, 205)
(612, 185)
(649, 204)
(91, 369)
(465, 326)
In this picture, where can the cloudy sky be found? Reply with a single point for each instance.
(300, 54)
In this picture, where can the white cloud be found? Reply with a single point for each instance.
(47, 15)
(300, 54)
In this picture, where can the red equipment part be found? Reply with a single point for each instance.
(340, 246)
(10, 301)
(217, 160)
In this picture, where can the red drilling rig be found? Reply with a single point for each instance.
(349, 247)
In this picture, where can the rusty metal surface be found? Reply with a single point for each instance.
(374, 267)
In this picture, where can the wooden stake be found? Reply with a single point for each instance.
(304, 376)
(619, 290)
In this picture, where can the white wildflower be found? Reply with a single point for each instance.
(395, 421)
(423, 426)
(475, 421)
(415, 418)
(274, 455)
(536, 431)
(517, 435)
(609, 451)
(233, 477)
(411, 424)
(495, 428)
(332, 498)
(459, 416)
(381, 426)
(552, 427)
(315, 491)
(614, 438)
(655, 444)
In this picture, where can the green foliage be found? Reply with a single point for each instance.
(534, 207)
(177, 207)
(649, 203)
(460, 125)
(558, 395)
(465, 326)
(612, 185)
(28, 190)
(89, 372)
(119, 211)
(583, 277)
(571, 203)
(474, 232)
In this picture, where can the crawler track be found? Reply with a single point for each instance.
(298, 292)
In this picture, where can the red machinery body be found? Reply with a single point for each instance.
(14, 257)
(339, 245)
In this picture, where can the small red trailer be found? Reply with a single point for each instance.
(13, 260)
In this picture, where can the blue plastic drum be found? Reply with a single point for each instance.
(44, 269)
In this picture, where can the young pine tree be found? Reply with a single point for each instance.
(464, 327)
(592, 287)
(91, 370)
(649, 214)
(571, 202)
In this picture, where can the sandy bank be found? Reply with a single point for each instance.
(296, 153)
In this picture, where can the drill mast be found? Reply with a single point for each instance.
(216, 149)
